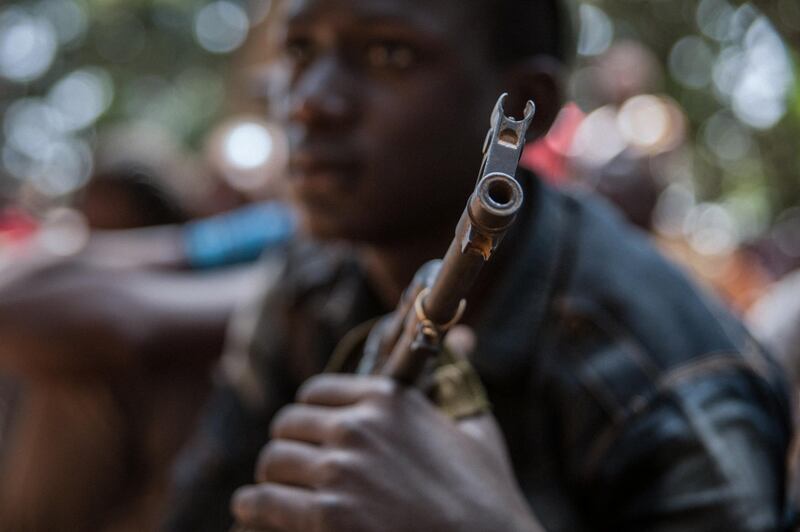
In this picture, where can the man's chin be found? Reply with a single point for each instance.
(325, 227)
(339, 229)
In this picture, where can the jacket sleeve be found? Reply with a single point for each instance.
(218, 460)
(705, 452)
(252, 384)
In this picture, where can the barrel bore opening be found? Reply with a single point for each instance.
(501, 193)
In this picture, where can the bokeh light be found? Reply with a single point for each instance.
(64, 232)
(27, 45)
(69, 19)
(786, 232)
(62, 168)
(250, 153)
(673, 207)
(759, 97)
(598, 139)
(81, 97)
(714, 19)
(248, 145)
(691, 61)
(727, 139)
(221, 27)
(710, 229)
(651, 123)
(596, 31)
(40, 150)
(30, 125)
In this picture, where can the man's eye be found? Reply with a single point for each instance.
(299, 50)
(389, 55)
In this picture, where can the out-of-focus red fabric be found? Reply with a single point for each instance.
(548, 156)
(16, 226)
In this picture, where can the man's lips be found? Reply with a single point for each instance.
(323, 173)
(313, 163)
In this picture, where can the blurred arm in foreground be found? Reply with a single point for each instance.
(111, 349)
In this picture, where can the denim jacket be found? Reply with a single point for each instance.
(629, 401)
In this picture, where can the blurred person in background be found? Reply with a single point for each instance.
(111, 345)
(625, 149)
(113, 354)
(106, 353)
(611, 149)
(113, 311)
(639, 124)
(128, 197)
(775, 319)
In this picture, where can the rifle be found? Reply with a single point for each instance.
(436, 299)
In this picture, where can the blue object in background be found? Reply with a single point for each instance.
(238, 236)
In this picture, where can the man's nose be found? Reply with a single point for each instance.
(324, 95)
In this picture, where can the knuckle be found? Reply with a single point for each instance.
(266, 458)
(309, 387)
(372, 417)
(330, 512)
(283, 419)
(336, 467)
(349, 430)
(384, 389)
(357, 426)
(257, 508)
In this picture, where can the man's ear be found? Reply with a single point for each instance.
(539, 79)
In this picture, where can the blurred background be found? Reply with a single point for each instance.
(119, 114)
(109, 105)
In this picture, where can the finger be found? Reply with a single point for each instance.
(481, 427)
(461, 341)
(305, 423)
(273, 507)
(485, 432)
(289, 462)
(344, 390)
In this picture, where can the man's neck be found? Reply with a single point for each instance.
(391, 267)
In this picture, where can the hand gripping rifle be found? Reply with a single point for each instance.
(435, 300)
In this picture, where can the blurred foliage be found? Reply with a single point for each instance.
(765, 179)
(107, 63)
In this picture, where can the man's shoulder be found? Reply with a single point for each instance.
(631, 333)
(307, 265)
(622, 288)
(604, 315)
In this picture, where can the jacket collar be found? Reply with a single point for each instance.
(512, 318)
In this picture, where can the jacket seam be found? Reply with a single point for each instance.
(708, 363)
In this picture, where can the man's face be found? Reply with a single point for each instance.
(387, 108)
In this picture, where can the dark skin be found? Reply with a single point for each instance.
(114, 353)
(85, 315)
(388, 110)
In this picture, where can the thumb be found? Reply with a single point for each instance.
(460, 341)
(485, 432)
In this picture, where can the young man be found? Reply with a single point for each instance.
(625, 399)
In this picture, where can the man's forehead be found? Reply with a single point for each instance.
(431, 14)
